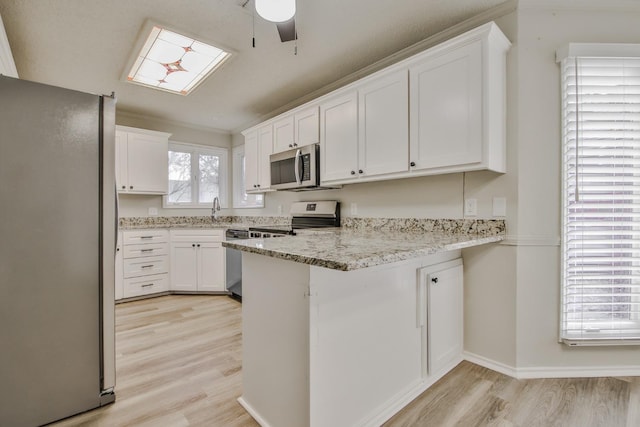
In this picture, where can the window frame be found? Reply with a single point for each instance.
(237, 154)
(195, 150)
(586, 335)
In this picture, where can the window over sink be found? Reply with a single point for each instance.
(197, 174)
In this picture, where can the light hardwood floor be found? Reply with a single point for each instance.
(178, 362)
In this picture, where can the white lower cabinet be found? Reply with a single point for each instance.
(145, 262)
(440, 302)
(197, 261)
(353, 347)
(145, 285)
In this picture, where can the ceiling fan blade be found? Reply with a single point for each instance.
(287, 30)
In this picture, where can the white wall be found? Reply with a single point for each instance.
(540, 32)
(138, 205)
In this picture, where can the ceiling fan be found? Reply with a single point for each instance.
(280, 12)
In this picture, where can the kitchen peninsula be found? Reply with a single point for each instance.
(344, 327)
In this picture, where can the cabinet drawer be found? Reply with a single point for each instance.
(146, 285)
(136, 267)
(145, 236)
(152, 249)
(197, 236)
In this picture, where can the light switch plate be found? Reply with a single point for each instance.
(354, 209)
(499, 206)
(153, 211)
(471, 207)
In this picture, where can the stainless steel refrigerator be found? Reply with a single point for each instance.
(57, 230)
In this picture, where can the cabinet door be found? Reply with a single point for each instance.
(444, 283)
(147, 164)
(184, 264)
(265, 148)
(283, 134)
(251, 156)
(446, 109)
(307, 127)
(339, 138)
(384, 125)
(211, 267)
(121, 161)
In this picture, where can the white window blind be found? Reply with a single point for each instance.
(601, 200)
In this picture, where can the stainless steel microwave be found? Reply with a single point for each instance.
(297, 169)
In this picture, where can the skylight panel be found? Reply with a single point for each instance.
(173, 62)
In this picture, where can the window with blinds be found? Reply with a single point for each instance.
(601, 198)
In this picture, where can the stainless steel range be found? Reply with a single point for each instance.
(304, 215)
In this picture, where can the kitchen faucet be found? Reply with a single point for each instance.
(215, 208)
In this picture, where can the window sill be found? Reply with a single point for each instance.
(591, 342)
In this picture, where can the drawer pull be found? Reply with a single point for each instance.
(147, 266)
(147, 285)
(146, 250)
(146, 237)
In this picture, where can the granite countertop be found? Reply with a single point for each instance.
(199, 222)
(352, 249)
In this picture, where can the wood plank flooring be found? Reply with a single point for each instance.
(178, 361)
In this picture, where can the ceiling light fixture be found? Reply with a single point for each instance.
(172, 62)
(276, 10)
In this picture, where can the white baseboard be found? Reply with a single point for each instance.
(395, 404)
(490, 364)
(554, 371)
(579, 372)
(253, 412)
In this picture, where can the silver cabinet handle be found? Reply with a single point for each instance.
(147, 285)
(147, 266)
(146, 237)
(146, 250)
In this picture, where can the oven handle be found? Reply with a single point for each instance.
(297, 167)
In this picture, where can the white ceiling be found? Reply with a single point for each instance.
(86, 45)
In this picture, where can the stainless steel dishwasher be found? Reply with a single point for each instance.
(234, 264)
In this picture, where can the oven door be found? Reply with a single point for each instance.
(296, 168)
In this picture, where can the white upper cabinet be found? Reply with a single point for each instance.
(440, 111)
(307, 127)
(384, 125)
(458, 104)
(265, 148)
(365, 133)
(251, 156)
(283, 134)
(257, 170)
(446, 109)
(296, 130)
(141, 161)
(339, 136)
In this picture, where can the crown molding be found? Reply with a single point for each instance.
(7, 65)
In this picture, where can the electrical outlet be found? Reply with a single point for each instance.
(471, 207)
(354, 209)
(279, 209)
(153, 211)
